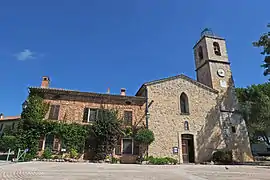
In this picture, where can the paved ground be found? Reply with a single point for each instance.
(80, 171)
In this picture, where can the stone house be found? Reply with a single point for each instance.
(190, 119)
(82, 107)
(8, 122)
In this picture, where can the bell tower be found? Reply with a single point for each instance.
(213, 69)
(211, 60)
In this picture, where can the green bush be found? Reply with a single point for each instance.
(223, 157)
(158, 161)
(115, 160)
(161, 160)
(148, 158)
(73, 153)
(47, 154)
(171, 160)
(145, 136)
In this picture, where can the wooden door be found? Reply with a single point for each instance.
(185, 151)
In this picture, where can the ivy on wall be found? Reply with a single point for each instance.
(100, 137)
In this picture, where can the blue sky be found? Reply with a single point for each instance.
(91, 45)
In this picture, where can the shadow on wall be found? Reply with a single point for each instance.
(217, 132)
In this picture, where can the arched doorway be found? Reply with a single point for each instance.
(188, 154)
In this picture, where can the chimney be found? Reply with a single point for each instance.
(45, 82)
(123, 92)
(1, 116)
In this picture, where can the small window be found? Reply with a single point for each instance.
(90, 115)
(200, 52)
(54, 112)
(186, 126)
(127, 146)
(128, 118)
(217, 49)
(184, 104)
(233, 129)
(1, 127)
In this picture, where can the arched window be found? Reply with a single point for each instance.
(186, 126)
(200, 52)
(184, 104)
(217, 49)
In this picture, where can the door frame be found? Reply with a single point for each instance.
(187, 138)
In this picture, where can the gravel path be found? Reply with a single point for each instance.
(83, 171)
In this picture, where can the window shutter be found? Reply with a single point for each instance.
(128, 118)
(55, 144)
(118, 147)
(93, 114)
(56, 112)
(85, 114)
(136, 148)
(51, 112)
(40, 144)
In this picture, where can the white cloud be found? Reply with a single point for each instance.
(25, 55)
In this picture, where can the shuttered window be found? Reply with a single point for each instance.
(54, 112)
(128, 118)
(90, 114)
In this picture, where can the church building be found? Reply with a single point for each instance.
(190, 118)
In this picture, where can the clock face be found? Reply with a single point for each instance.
(221, 72)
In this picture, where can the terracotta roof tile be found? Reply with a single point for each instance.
(10, 118)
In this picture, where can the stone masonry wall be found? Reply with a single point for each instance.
(167, 122)
(72, 111)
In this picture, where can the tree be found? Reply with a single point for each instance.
(7, 142)
(105, 132)
(264, 42)
(255, 108)
(145, 136)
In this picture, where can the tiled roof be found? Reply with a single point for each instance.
(10, 118)
(140, 100)
(182, 76)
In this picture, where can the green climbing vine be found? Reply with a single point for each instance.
(100, 137)
(33, 126)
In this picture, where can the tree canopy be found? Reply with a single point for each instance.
(264, 42)
(255, 107)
